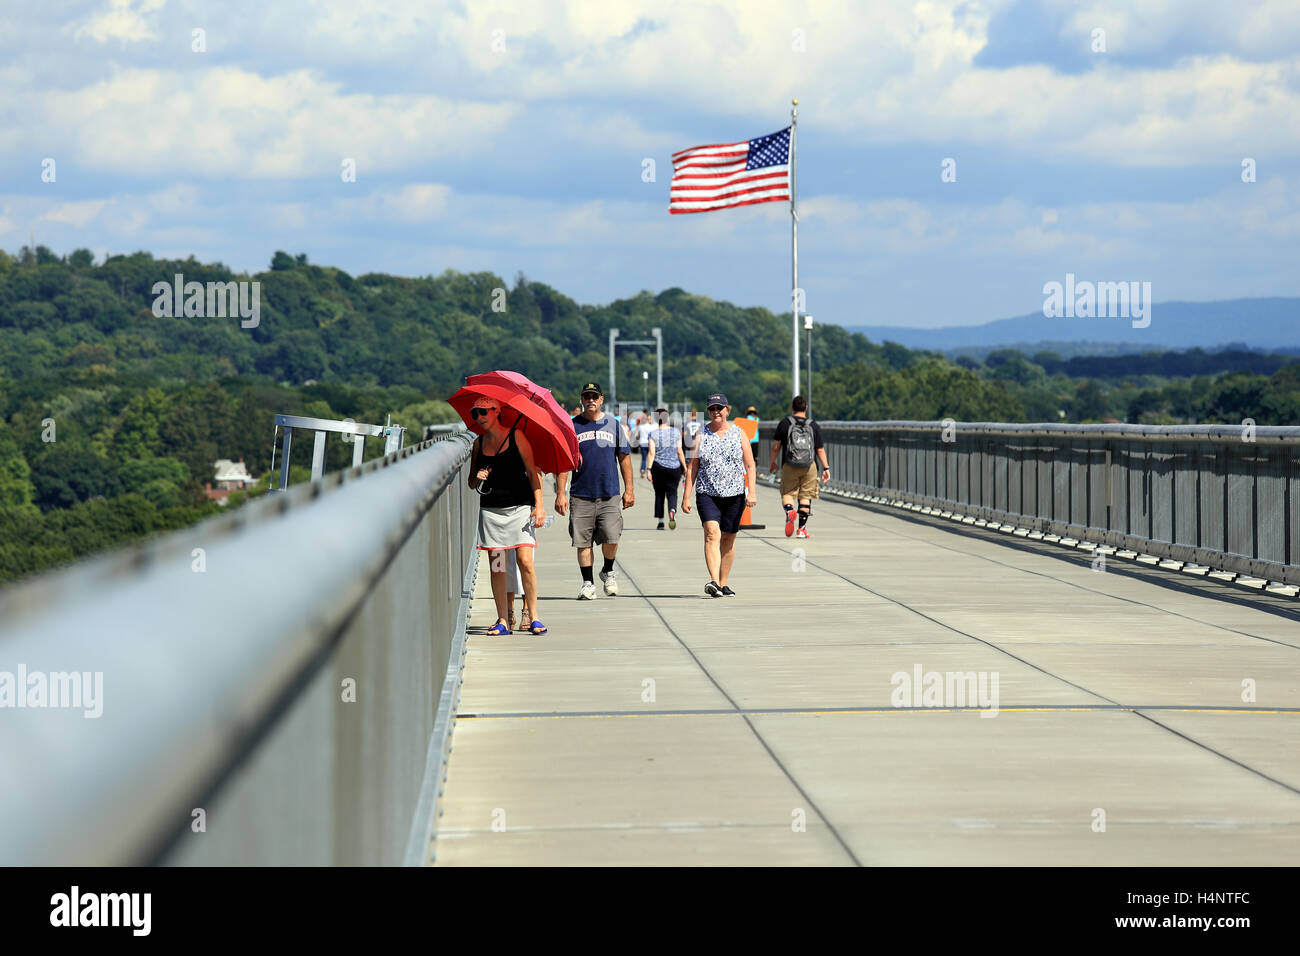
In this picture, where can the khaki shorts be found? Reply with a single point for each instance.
(595, 520)
(800, 482)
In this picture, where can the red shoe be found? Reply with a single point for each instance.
(803, 533)
(789, 523)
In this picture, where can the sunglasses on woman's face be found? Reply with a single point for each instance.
(716, 408)
(477, 413)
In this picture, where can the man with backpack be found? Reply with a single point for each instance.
(798, 443)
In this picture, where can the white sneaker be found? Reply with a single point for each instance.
(611, 582)
(588, 592)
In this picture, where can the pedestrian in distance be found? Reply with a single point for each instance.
(510, 510)
(594, 509)
(691, 432)
(798, 443)
(690, 439)
(643, 429)
(722, 471)
(667, 465)
(621, 418)
(752, 414)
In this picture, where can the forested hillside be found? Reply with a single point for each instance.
(111, 417)
(320, 324)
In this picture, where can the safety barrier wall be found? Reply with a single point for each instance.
(270, 679)
(1224, 497)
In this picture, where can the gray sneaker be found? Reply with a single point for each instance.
(611, 582)
(588, 592)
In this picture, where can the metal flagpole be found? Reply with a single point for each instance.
(794, 245)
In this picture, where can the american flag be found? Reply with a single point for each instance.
(706, 178)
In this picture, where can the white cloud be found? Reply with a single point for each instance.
(888, 74)
(489, 158)
(413, 204)
(1245, 28)
(76, 213)
(124, 20)
(231, 123)
(604, 78)
(837, 228)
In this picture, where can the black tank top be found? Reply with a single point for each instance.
(508, 486)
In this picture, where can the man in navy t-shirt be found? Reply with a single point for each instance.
(596, 515)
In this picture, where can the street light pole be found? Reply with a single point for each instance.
(658, 341)
(613, 336)
(808, 324)
(794, 247)
(659, 379)
(645, 388)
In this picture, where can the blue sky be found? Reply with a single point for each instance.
(510, 137)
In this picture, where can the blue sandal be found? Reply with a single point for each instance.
(498, 630)
(537, 627)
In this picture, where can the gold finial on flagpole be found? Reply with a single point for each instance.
(794, 102)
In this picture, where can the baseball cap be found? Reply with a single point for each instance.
(592, 387)
(717, 398)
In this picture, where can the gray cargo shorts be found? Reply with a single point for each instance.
(595, 521)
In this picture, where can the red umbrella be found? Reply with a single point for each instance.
(539, 416)
(538, 397)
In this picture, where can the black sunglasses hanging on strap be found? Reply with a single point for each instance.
(483, 488)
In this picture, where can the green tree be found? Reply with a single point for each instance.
(138, 435)
(1089, 403)
(67, 474)
(1235, 397)
(416, 416)
(16, 489)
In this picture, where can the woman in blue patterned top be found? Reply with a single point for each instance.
(666, 464)
(723, 466)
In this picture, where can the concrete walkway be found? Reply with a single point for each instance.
(665, 727)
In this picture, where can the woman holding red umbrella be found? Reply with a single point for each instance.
(510, 486)
(540, 440)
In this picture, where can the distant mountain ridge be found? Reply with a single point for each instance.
(1263, 323)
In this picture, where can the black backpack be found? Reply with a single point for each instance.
(800, 446)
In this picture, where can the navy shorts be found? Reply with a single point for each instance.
(726, 511)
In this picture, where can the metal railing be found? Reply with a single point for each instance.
(1219, 496)
(394, 440)
(272, 683)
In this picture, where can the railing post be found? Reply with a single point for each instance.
(318, 457)
(284, 457)
(1110, 483)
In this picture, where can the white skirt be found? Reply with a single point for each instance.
(500, 528)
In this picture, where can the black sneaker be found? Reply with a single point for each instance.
(712, 589)
(661, 526)
(726, 589)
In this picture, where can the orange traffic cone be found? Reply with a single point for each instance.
(747, 519)
(749, 428)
